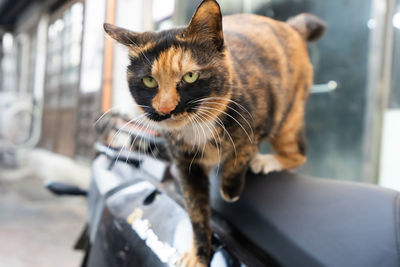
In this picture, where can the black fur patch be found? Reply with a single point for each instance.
(301, 142)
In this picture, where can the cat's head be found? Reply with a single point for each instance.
(172, 72)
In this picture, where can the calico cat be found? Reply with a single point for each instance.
(216, 89)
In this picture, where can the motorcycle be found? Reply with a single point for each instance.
(136, 215)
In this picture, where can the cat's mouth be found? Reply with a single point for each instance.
(175, 121)
(158, 117)
(174, 118)
(168, 117)
(179, 116)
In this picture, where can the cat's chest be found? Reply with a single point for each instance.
(199, 134)
(201, 141)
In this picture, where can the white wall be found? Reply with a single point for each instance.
(389, 175)
(92, 46)
(129, 14)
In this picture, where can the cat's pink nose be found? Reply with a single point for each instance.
(167, 109)
(165, 101)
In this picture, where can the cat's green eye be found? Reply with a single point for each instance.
(150, 82)
(191, 77)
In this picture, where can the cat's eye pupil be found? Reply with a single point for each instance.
(149, 82)
(191, 77)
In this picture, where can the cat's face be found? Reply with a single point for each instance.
(172, 72)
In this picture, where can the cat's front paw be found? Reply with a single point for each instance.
(229, 194)
(190, 259)
(264, 164)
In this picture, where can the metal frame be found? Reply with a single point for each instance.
(378, 85)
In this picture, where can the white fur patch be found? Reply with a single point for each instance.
(265, 164)
(199, 133)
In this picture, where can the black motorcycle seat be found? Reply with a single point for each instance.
(304, 221)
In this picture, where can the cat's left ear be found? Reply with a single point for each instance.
(206, 24)
(121, 35)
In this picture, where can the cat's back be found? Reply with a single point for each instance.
(270, 62)
(249, 35)
(257, 27)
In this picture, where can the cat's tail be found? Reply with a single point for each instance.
(310, 27)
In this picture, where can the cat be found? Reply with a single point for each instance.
(216, 89)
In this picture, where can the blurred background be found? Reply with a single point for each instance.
(58, 73)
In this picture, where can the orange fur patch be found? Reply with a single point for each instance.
(168, 70)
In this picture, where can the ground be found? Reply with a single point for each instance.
(38, 229)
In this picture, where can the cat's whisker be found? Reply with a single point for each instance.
(142, 106)
(151, 150)
(146, 153)
(105, 113)
(204, 134)
(251, 128)
(123, 127)
(142, 153)
(196, 100)
(124, 145)
(241, 126)
(197, 136)
(130, 147)
(139, 124)
(154, 138)
(133, 142)
(114, 108)
(198, 127)
(197, 140)
(213, 132)
(130, 134)
(220, 123)
(144, 121)
(226, 99)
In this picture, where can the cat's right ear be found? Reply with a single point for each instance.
(206, 24)
(121, 35)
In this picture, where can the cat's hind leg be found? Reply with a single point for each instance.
(289, 143)
(291, 154)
